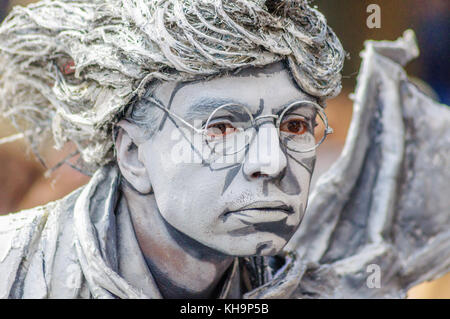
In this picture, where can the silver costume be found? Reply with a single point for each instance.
(384, 202)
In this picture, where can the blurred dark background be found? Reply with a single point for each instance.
(22, 181)
(429, 19)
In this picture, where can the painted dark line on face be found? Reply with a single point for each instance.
(309, 162)
(309, 169)
(212, 169)
(244, 231)
(287, 182)
(172, 96)
(231, 175)
(279, 228)
(132, 147)
(260, 108)
(183, 135)
(265, 188)
(264, 245)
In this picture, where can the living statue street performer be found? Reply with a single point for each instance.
(199, 122)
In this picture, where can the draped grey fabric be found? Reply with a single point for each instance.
(384, 204)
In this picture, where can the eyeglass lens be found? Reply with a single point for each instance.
(230, 128)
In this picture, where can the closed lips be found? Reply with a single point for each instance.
(264, 206)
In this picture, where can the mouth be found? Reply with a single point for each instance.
(261, 210)
(267, 206)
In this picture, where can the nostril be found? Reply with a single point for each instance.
(258, 174)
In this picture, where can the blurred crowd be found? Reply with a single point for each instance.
(23, 183)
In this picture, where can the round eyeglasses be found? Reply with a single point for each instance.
(302, 126)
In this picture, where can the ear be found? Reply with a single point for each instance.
(131, 165)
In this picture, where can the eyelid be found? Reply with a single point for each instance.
(216, 121)
(222, 118)
(305, 118)
(301, 109)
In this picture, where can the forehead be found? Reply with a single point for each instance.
(271, 87)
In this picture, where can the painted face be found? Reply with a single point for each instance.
(249, 205)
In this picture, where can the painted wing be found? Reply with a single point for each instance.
(382, 211)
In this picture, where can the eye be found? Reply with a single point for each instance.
(219, 129)
(297, 126)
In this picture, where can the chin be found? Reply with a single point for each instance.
(265, 249)
(248, 246)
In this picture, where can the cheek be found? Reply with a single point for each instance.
(302, 165)
(181, 188)
(296, 178)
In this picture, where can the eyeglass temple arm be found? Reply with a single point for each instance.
(158, 104)
(329, 130)
(322, 114)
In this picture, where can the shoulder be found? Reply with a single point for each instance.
(29, 236)
(17, 228)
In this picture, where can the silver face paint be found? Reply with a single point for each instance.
(232, 208)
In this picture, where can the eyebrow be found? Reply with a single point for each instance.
(205, 106)
(278, 110)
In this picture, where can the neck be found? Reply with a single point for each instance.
(182, 267)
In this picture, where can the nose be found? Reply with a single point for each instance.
(265, 158)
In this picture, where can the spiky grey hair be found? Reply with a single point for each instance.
(70, 68)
